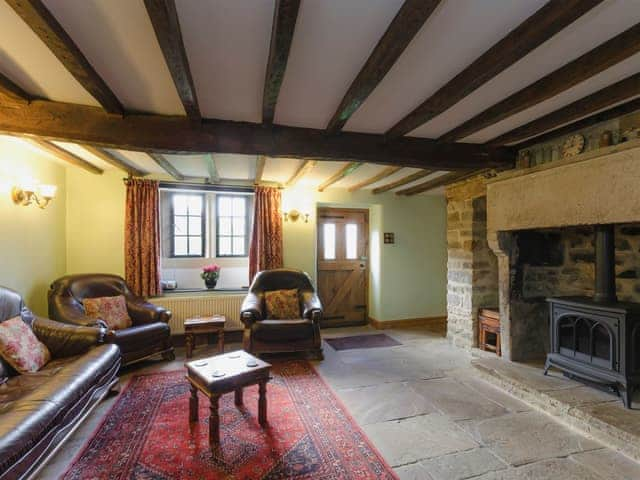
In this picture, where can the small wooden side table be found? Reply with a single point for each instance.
(193, 326)
(226, 373)
(489, 322)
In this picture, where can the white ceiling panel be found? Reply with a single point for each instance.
(280, 170)
(400, 174)
(235, 167)
(190, 165)
(592, 29)
(141, 163)
(433, 176)
(118, 39)
(321, 172)
(456, 34)
(332, 40)
(139, 159)
(362, 173)
(227, 43)
(612, 75)
(576, 119)
(26, 60)
(79, 151)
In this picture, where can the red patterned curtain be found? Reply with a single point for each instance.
(142, 237)
(265, 252)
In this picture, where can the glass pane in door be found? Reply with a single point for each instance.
(351, 232)
(329, 241)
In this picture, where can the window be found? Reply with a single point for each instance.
(232, 233)
(351, 232)
(187, 216)
(329, 240)
(205, 224)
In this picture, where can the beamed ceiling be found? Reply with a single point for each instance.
(386, 95)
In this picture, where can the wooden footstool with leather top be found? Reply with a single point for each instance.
(231, 372)
(193, 326)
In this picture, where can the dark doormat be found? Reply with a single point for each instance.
(362, 341)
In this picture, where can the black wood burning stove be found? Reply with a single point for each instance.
(598, 339)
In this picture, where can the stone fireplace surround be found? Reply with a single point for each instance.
(562, 200)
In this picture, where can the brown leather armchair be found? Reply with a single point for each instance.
(262, 335)
(150, 333)
(38, 410)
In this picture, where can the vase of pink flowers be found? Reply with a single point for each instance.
(210, 274)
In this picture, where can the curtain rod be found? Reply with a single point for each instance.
(212, 186)
(206, 186)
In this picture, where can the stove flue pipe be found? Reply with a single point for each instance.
(605, 287)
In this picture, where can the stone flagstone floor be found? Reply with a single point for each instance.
(424, 407)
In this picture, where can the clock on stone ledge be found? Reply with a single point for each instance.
(573, 146)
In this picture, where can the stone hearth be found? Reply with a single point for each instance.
(597, 414)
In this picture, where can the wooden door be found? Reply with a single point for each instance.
(343, 245)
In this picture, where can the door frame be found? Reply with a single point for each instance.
(367, 248)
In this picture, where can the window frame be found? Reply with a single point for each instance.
(203, 223)
(247, 230)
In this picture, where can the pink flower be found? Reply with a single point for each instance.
(211, 268)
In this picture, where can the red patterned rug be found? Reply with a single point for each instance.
(147, 435)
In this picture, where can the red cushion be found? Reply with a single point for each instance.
(20, 347)
(113, 310)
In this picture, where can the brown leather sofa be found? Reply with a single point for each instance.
(150, 333)
(39, 410)
(262, 335)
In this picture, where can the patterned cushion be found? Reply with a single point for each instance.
(20, 347)
(113, 310)
(282, 304)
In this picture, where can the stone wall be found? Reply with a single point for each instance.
(472, 273)
(575, 275)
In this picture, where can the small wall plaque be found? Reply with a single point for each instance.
(389, 237)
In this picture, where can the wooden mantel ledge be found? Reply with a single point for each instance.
(590, 155)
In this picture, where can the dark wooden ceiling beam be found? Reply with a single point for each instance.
(386, 172)
(176, 134)
(606, 97)
(166, 24)
(166, 165)
(446, 179)
(609, 114)
(404, 26)
(348, 169)
(403, 181)
(36, 15)
(63, 154)
(285, 15)
(530, 34)
(111, 159)
(606, 55)
(12, 91)
(305, 167)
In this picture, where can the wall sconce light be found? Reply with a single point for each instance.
(31, 194)
(294, 215)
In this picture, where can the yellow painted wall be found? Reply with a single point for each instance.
(95, 222)
(32, 243)
(408, 278)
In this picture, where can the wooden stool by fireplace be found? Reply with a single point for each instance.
(489, 323)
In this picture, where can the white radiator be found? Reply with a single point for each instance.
(201, 306)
